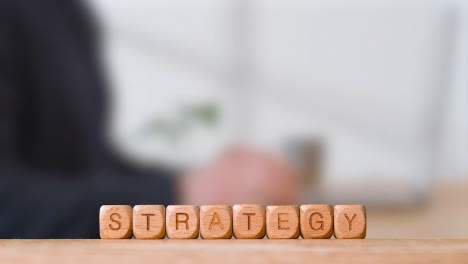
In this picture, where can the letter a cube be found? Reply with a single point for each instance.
(215, 221)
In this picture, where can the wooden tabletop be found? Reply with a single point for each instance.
(234, 251)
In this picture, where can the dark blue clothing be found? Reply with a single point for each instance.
(56, 167)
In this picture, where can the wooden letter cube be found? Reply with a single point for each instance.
(215, 221)
(282, 221)
(249, 221)
(182, 221)
(149, 221)
(350, 221)
(115, 221)
(316, 221)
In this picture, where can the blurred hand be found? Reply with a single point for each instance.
(241, 175)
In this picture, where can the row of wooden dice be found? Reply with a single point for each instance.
(241, 220)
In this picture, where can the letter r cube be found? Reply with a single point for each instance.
(182, 221)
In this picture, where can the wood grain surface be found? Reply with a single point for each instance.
(234, 251)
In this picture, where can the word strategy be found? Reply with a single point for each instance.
(243, 221)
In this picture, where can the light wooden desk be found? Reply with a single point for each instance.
(234, 251)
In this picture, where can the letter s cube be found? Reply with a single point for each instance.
(115, 221)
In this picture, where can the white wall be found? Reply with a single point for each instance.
(383, 83)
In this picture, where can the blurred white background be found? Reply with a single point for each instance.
(381, 85)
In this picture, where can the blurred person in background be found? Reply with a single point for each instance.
(56, 166)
